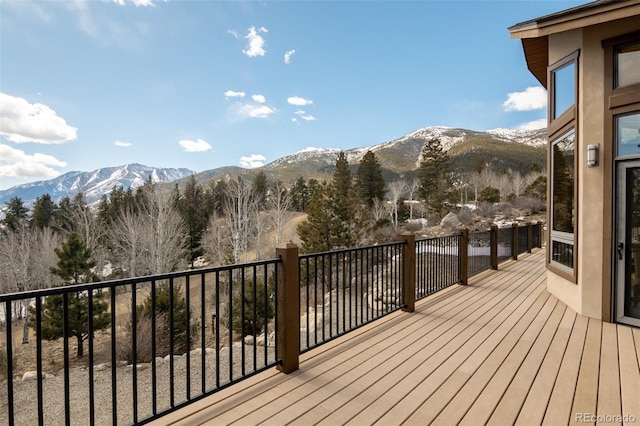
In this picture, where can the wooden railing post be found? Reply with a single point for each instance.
(463, 255)
(409, 271)
(540, 234)
(529, 237)
(493, 242)
(288, 320)
(514, 247)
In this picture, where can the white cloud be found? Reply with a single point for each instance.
(298, 101)
(252, 161)
(14, 162)
(534, 125)
(122, 143)
(21, 121)
(288, 55)
(138, 3)
(259, 98)
(533, 98)
(305, 116)
(233, 33)
(254, 111)
(255, 46)
(232, 94)
(199, 145)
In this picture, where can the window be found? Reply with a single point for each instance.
(564, 89)
(627, 65)
(563, 199)
(563, 77)
(627, 128)
(561, 131)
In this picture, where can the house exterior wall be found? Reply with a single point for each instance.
(591, 294)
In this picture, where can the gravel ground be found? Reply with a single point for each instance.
(25, 392)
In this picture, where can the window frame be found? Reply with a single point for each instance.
(564, 237)
(618, 101)
(558, 128)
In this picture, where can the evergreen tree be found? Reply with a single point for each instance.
(434, 175)
(16, 214)
(246, 303)
(342, 178)
(370, 184)
(300, 195)
(192, 207)
(63, 217)
(169, 299)
(74, 266)
(260, 188)
(324, 230)
(44, 210)
(537, 189)
(489, 195)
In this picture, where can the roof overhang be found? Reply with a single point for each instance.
(535, 33)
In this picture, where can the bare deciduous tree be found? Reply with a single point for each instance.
(153, 240)
(166, 237)
(395, 190)
(216, 240)
(26, 256)
(413, 187)
(240, 208)
(279, 205)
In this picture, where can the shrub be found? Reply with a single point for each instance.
(465, 216)
(4, 365)
(248, 324)
(163, 329)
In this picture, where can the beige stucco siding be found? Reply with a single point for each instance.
(560, 46)
(592, 293)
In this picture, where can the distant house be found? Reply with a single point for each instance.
(588, 59)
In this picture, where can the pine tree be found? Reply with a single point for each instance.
(322, 230)
(15, 214)
(74, 267)
(260, 188)
(300, 195)
(434, 175)
(44, 210)
(169, 302)
(370, 184)
(342, 178)
(192, 207)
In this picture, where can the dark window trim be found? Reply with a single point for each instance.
(621, 40)
(551, 110)
(570, 274)
(618, 101)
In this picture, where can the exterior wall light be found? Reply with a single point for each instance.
(592, 154)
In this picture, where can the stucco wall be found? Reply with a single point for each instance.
(595, 218)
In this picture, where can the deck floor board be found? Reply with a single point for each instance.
(501, 350)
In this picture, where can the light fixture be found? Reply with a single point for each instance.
(592, 154)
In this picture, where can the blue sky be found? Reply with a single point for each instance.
(205, 84)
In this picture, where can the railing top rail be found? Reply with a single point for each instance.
(455, 234)
(127, 281)
(352, 249)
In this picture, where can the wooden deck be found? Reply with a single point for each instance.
(501, 350)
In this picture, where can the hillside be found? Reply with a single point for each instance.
(500, 149)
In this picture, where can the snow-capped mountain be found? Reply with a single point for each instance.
(404, 154)
(93, 184)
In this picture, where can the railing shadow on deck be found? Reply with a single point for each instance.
(159, 343)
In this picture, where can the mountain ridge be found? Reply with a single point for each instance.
(94, 183)
(399, 158)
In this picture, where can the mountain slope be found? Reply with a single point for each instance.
(94, 184)
(498, 149)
